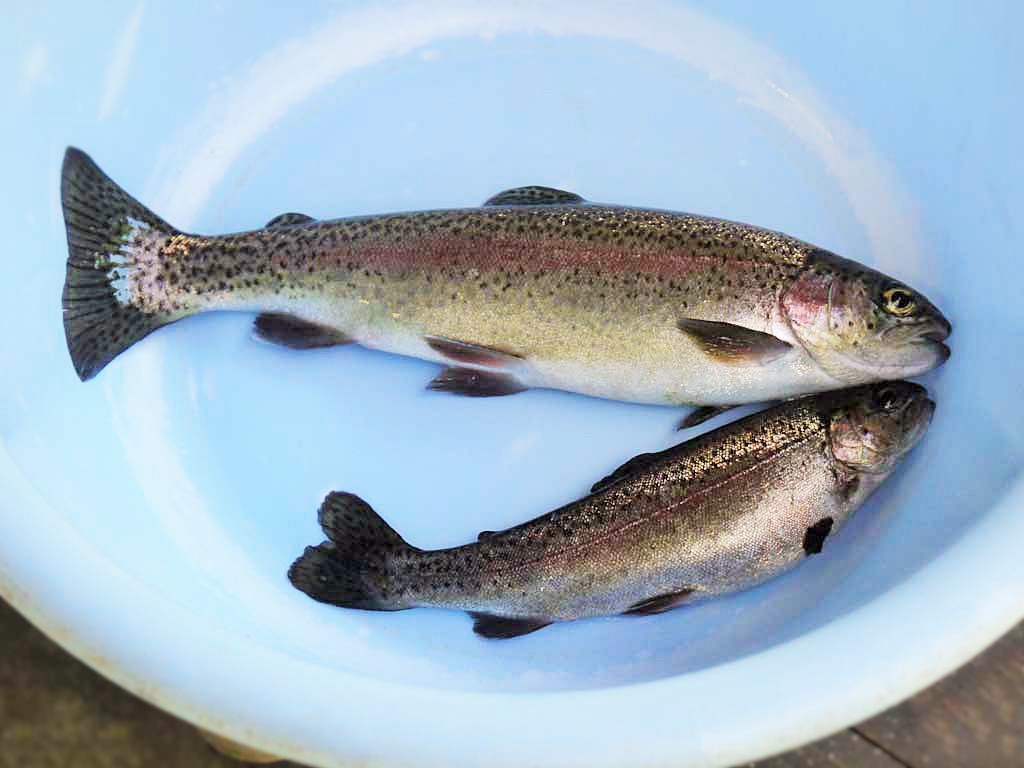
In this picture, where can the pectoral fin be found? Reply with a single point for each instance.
(535, 195)
(814, 538)
(730, 343)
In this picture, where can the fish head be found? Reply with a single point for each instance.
(872, 427)
(860, 325)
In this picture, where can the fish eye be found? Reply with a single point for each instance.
(898, 301)
(887, 398)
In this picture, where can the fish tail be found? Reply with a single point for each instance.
(354, 568)
(109, 233)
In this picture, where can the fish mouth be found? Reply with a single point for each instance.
(936, 337)
(919, 421)
(915, 420)
(934, 340)
(922, 410)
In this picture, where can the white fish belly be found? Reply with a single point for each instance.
(679, 373)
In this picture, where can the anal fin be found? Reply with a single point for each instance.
(502, 627)
(294, 332)
(659, 604)
(475, 383)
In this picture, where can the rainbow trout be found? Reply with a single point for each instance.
(536, 288)
(722, 512)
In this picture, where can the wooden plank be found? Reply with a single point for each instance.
(845, 749)
(975, 717)
(55, 712)
(236, 751)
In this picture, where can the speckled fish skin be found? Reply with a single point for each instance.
(533, 289)
(719, 513)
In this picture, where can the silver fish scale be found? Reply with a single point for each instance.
(711, 516)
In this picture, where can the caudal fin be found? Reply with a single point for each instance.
(354, 568)
(108, 233)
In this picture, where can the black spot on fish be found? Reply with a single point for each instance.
(814, 538)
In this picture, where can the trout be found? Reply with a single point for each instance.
(720, 513)
(536, 288)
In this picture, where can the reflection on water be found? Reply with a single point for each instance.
(252, 102)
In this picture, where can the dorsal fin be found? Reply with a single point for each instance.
(634, 465)
(702, 414)
(535, 195)
(288, 220)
